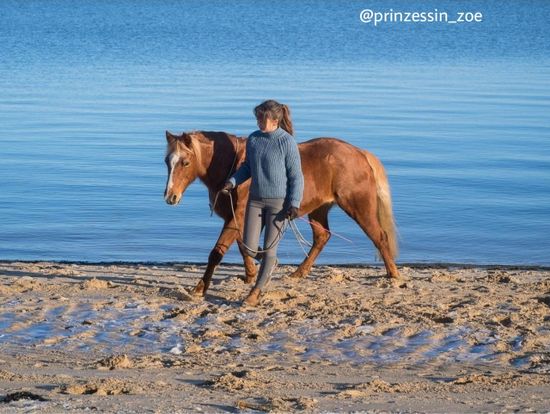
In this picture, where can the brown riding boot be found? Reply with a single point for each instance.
(253, 297)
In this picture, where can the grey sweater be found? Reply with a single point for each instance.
(273, 162)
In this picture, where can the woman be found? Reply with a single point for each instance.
(273, 163)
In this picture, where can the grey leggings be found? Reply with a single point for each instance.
(265, 213)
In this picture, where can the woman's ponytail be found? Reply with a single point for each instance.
(286, 121)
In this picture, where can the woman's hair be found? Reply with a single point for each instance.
(276, 111)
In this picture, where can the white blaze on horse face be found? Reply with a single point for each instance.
(173, 161)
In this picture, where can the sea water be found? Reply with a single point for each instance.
(458, 113)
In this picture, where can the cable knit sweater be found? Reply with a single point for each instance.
(273, 162)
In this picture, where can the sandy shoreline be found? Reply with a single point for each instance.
(127, 337)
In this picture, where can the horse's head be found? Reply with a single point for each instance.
(182, 162)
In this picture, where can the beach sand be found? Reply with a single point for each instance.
(129, 338)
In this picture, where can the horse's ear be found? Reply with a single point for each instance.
(170, 138)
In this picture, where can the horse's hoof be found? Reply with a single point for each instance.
(400, 282)
(297, 275)
(199, 289)
(249, 279)
(399, 276)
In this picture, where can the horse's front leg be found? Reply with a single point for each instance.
(227, 237)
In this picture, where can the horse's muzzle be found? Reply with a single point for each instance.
(172, 199)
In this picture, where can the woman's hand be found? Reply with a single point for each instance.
(291, 213)
(227, 187)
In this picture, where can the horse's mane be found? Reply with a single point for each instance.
(196, 137)
(178, 146)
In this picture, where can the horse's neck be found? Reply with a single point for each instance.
(218, 163)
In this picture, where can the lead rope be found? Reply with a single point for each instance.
(213, 205)
(301, 240)
(288, 223)
(280, 232)
(328, 231)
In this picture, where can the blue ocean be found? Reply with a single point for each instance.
(459, 113)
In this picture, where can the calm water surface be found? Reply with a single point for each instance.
(459, 114)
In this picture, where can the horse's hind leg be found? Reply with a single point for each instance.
(362, 207)
(321, 234)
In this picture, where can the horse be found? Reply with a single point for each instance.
(335, 173)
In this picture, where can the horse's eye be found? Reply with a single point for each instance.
(185, 163)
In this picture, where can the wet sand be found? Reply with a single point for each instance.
(129, 338)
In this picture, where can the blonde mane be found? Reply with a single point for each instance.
(195, 147)
(178, 147)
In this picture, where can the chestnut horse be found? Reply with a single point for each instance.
(335, 172)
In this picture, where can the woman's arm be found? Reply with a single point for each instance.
(243, 173)
(295, 178)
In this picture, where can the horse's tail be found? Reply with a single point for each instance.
(384, 203)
